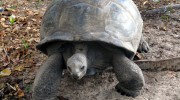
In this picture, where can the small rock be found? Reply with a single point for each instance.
(178, 75)
(1, 9)
(110, 79)
(31, 77)
(27, 81)
(62, 98)
(2, 85)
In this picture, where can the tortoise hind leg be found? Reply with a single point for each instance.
(129, 75)
(48, 77)
(143, 46)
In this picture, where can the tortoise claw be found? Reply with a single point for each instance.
(143, 47)
(129, 93)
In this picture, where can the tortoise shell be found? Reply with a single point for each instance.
(115, 22)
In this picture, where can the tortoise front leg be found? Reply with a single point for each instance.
(129, 75)
(48, 77)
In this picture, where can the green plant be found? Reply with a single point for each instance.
(1, 3)
(170, 9)
(25, 44)
(12, 19)
(28, 88)
(13, 7)
(38, 3)
(164, 17)
(156, 1)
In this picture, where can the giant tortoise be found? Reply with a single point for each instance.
(87, 36)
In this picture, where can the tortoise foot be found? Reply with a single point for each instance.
(143, 47)
(124, 91)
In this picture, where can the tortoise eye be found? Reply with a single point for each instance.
(82, 68)
(69, 68)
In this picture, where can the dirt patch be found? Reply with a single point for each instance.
(159, 86)
(163, 37)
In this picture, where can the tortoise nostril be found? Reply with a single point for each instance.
(82, 68)
(75, 76)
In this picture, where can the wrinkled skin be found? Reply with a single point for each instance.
(48, 78)
(95, 58)
(77, 65)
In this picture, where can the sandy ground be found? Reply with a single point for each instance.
(159, 86)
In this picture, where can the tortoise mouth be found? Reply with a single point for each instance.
(78, 77)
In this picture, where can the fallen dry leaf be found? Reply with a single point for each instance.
(145, 2)
(4, 25)
(2, 85)
(19, 68)
(5, 72)
(20, 93)
(3, 19)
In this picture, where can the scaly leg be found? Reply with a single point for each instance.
(48, 77)
(129, 75)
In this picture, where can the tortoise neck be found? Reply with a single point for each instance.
(80, 48)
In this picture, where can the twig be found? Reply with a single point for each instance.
(174, 18)
(21, 59)
(9, 59)
(161, 10)
(7, 55)
(11, 86)
(172, 64)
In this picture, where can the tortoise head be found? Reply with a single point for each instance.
(77, 65)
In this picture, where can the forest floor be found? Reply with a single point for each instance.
(20, 60)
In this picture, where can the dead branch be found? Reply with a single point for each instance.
(160, 65)
(161, 10)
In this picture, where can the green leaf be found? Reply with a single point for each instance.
(25, 44)
(12, 19)
(28, 88)
(156, 1)
(164, 17)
